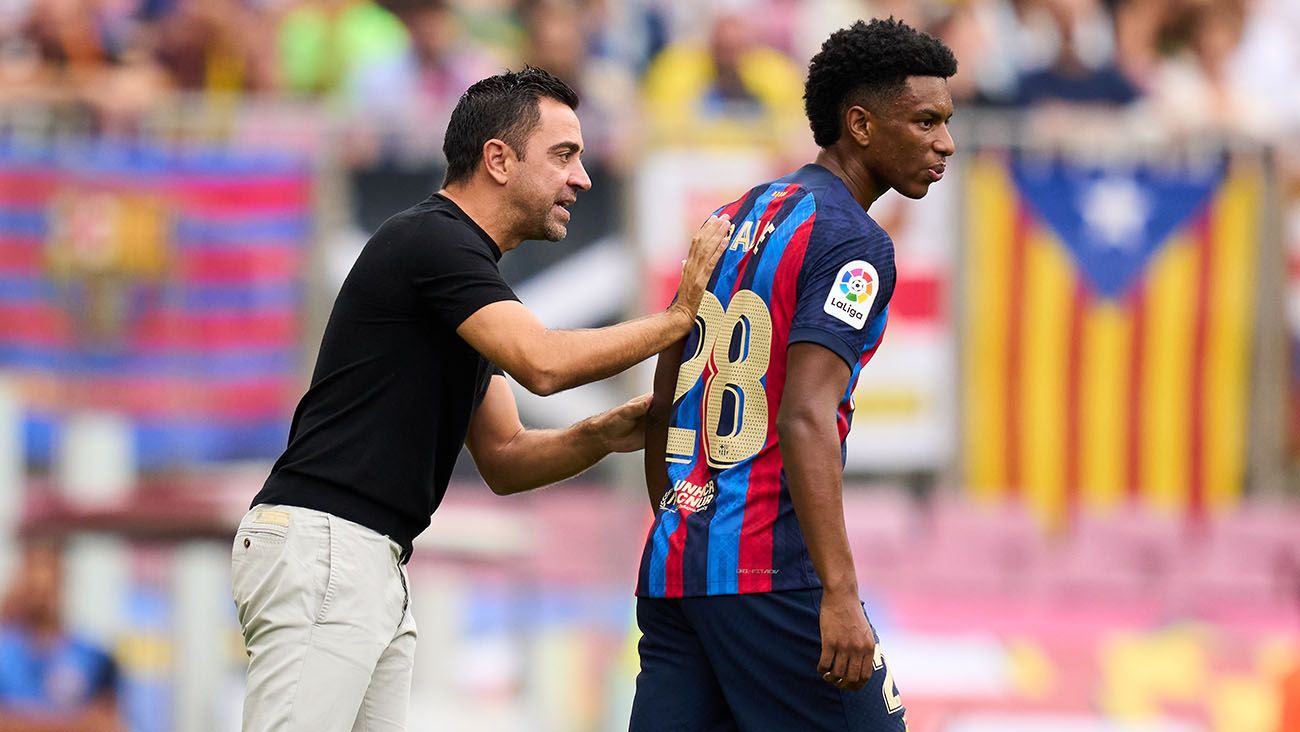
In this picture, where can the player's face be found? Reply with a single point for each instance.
(551, 173)
(910, 139)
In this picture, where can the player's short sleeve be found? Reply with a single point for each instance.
(482, 390)
(845, 285)
(456, 275)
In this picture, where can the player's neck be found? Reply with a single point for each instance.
(855, 175)
(489, 214)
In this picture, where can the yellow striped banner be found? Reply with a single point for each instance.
(1107, 334)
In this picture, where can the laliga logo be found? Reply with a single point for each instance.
(856, 285)
(851, 296)
(847, 308)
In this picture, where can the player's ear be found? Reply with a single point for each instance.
(857, 124)
(498, 159)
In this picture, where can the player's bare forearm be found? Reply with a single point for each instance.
(810, 452)
(546, 361)
(513, 459)
(657, 419)
(816, 380)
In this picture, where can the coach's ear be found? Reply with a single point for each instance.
(497, 159)
(857, 122)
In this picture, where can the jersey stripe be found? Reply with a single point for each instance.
(789, 243)
(673, 575)
(668, 539)
(656, 572)
(729, 505)
(787, 540)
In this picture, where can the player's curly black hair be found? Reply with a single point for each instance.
(502, 107)
(864, 63)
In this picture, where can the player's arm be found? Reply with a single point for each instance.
(514, 459)
(816, 379)
(657, 418)
(546, 361)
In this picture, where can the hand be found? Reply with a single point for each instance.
(622, 429)
(848, 645)
(706, 249)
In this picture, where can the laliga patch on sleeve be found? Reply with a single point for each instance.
(852, 293)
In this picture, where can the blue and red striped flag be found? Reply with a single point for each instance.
(165, 286)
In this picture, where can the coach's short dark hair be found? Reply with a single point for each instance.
(864, 64)
(504, 107)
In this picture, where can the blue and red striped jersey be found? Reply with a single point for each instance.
(805, 264)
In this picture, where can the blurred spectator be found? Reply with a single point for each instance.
(65, 34)
(1268, 57)
(399, 102)
(440, 65)
(557, 39)
(1081, 71)
(353, 47)
(1137, 30)
(966, 30)
(627, 32)
(216, 45)
(50, 680)
(492, 25)
(729, 90)
(85, 53)
(1192, 88)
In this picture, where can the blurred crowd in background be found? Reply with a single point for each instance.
(1072, 483)
(680, 70)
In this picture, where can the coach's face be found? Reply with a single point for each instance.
(550, 173)
(909, 139)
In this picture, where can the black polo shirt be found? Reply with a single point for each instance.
(376, 435)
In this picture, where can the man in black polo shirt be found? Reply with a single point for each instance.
(409, 371)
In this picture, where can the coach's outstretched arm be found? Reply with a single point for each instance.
(546, 361)
(816, 379)
(514, 459)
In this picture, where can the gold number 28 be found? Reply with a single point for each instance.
(745, 327)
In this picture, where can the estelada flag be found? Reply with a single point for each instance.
(163, 285)
(1107, 339)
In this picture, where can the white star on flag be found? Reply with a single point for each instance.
(1116, 212)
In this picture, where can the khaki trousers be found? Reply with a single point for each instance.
(325, 611)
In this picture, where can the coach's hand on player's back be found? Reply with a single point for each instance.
(848, 645)
(706, 249)
(622, 429)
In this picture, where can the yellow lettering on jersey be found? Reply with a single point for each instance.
(742, 238)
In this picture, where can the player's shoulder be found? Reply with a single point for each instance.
(842, 224)
(835, 206)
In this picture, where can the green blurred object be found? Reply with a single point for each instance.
(319, 44)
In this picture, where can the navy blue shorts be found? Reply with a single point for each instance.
(748, 662)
